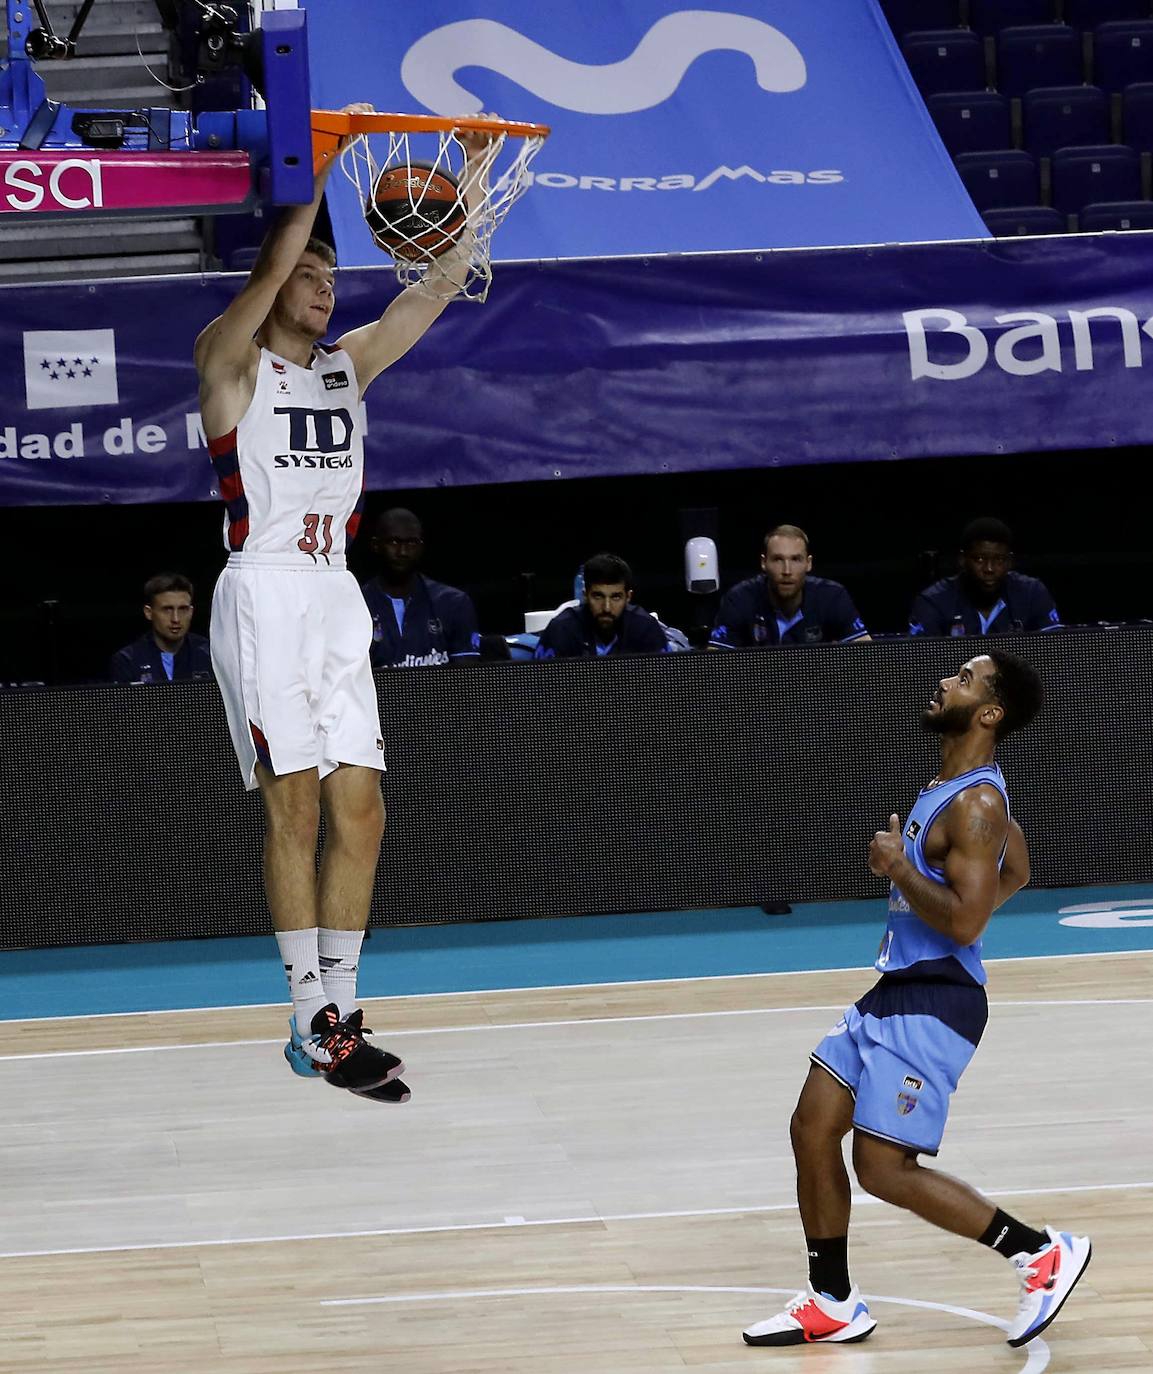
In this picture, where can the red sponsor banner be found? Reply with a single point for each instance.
(79, 180)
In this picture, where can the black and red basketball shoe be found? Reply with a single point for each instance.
(337, 1051)
(391, 1089)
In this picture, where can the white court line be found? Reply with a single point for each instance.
(1037, 1354)
(559, 987)
(544, 1025)
(516, 1223)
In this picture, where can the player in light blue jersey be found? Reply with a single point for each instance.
(887, 1069)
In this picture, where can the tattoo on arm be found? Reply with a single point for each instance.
(981, 830)
(934, 902)
(949, 907)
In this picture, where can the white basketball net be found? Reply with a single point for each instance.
(489, 177)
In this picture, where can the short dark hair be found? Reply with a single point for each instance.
(790, 532)
(986, 527)
(167, 582)
(1017, 688)
(324, 251)
(398, 513)
(607, 569)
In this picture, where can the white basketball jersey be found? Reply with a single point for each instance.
(292, 471)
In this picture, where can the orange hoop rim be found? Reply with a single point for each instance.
(329, 127)
(336, 122)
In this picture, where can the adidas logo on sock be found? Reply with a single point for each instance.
(309, 977)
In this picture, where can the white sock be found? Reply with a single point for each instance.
(301, 958)
(339, 962)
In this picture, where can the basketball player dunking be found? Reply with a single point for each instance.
(887, 1069)
(290, 630)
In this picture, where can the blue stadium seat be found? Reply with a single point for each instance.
(906, 15)
(1124, 214)
(946, 60)
(1123, 54)
(1084, 176)
(1038, 55)
(999, 180)
(971, 121)
(1137, 116)
(1064, 116)
(1017, 221)
(1087, 14)
(991, 16)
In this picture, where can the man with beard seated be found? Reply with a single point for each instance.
(606, 621)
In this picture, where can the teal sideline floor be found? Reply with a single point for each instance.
(173, 975)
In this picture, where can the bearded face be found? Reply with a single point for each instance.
(947, 720)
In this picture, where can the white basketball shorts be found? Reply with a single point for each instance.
(290, 652)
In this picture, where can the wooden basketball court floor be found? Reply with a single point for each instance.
(587, 1181)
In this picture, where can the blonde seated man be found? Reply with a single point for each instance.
(290, 630)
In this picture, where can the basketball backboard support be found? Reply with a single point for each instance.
(60, 160)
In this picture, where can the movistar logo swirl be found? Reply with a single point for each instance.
(648, 76)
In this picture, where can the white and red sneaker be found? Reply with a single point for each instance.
(815, 1317)
(1047, 1279)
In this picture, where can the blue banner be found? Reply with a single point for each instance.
(785, 123)
(596, 369)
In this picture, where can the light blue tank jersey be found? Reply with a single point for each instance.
(908, 940)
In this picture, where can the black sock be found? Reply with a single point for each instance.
(1010, 1237)
(829, 1266)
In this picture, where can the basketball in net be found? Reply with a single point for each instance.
(416, 211)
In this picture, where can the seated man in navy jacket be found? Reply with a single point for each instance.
(786, 605)
(606, 621)
(986, 597)
(416, 622)
(168, 652)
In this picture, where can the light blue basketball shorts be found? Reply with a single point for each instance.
(901, 1062)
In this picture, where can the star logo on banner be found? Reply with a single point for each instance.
(60, 367)
(66, 369)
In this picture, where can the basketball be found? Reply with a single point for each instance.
(415, 211)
